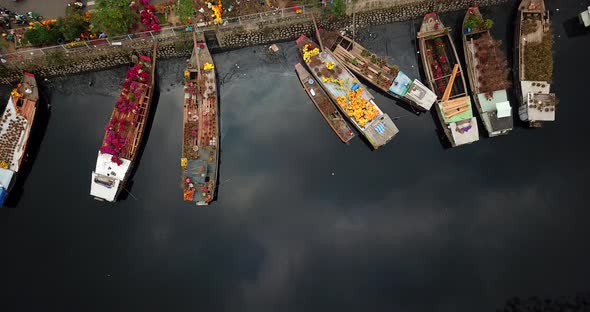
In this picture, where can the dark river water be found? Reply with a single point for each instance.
(304, 222)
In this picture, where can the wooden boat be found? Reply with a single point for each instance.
(487, 71)
(453, 105)
(375, 70)
(353, 99)
(533, 52)
(15, 131)
(124, 132)
(323, 103)
(200, 147)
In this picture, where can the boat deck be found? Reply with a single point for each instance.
(201, 129)
(342, 86)
(16, 123)
(439, 58)
(124, 132)
(324, 104)
(387, 77)
(488, 75)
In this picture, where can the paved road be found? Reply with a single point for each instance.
(49, 9)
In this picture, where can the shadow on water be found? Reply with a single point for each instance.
(146, 136)
(37, 134)
(573, 28)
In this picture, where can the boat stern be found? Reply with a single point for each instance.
(420, 95)
(464, 132)
(103, 188)
(538, 103)
(380, 130)
(108, 176)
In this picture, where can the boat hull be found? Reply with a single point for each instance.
(327, 108)
(529, 91)
(381, 129)
(200, 152)
(494, 121)
(112, 173)
(25, 107)
(433, 32)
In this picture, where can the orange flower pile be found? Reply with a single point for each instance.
(358, 107)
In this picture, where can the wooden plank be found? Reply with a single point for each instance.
(464, 109)
(454, 104)
(449, 88)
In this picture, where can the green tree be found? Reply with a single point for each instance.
(114, 17)
(40, 35)
(185, 10)
(73, 24)
(339, 7)
(487, 24)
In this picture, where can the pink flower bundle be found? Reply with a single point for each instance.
(148, 17)
(115, 141)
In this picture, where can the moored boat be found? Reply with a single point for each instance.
(124, 132)
(377, 71)
(15, 130)
(353, 100)
(445, 77)
(200, 148)
(534, 71)
(324, 104)
(487, 71)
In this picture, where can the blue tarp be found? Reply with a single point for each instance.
(3, 195)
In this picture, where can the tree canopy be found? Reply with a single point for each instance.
(73, 24)
(114, 17)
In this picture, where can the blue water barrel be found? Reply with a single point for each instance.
(355, 87)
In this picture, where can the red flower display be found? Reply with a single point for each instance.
(127, 106)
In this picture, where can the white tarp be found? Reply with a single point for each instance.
(503, 109)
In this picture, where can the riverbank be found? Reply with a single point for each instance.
(59, 62)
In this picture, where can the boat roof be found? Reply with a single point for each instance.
(541, 107)
(420, 94)
(464, 132)
(99, 190)
(496, 112)
(14, 129)
(108, 168)
(380, 130)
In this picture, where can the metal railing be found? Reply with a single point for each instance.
(166, 32)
